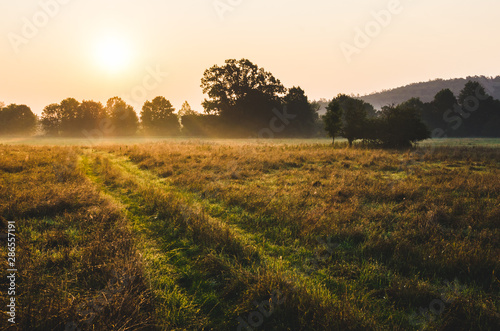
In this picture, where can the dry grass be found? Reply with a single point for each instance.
(423, 217)
(76, 258)
(353, 238)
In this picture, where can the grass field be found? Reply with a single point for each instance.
(252, 235)
(44, 141)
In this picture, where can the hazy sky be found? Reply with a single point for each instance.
(97, 49)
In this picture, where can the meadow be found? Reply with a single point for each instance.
(186, 234)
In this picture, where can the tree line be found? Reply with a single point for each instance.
(393, 126)
(245, 100)
(17, 119)
(474, 113)
(116, 118)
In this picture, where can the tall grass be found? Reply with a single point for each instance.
(77, 261)
(405, 221)
(193, 235)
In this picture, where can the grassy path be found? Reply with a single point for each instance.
(232, 260)
(201, 259)
(174, 308)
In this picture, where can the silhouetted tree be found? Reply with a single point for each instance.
(480, 112)
(472, 90)
(227, 84)
(436, 114)
(243, 94)
(400, 126)
(333, 119)
(355, 115)
(17, 120)
(51, 119)
(90, 115)
(122, 116)
(444, 100)
(70, 121)
(158, 117)
(298, 105)
(72, 118)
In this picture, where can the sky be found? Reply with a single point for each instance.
(97, 49)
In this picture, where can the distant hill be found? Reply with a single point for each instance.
(425, 91)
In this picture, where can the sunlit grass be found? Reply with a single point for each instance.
(353, 238)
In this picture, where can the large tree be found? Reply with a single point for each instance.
(91, 114)
(472, 90)
(241, 93)
(17, 120)
(51, 119)
(400, 126)
(157, 117)
(122, 116)
(70, 120)
(440, 113)
(355, 115)
(444, 100)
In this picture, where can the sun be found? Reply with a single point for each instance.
(113, 53)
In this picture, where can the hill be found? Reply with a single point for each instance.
(425, 91)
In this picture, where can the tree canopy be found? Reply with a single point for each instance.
(474, 113)
(122, 116)
(236, 81)
(305, 112)
(242, 94)
(245, 100)
(250, 100)
(72, 118)
(355, 113)
(17, 120)
(157, 117)
(401, 125)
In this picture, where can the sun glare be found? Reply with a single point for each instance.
(113, 54)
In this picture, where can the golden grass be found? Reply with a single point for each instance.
(353, 238)
(78, 267)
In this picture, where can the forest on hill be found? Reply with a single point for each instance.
(426, 91)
